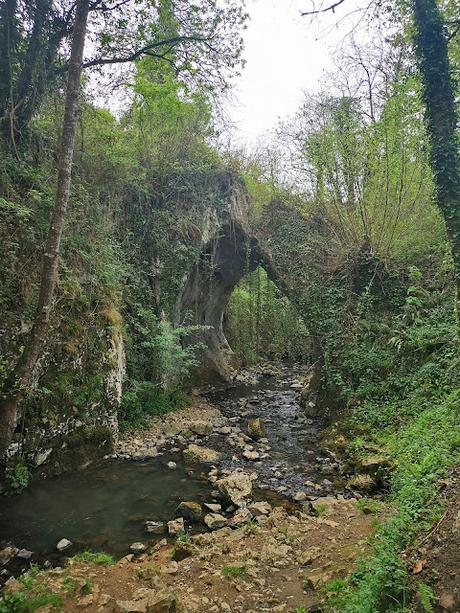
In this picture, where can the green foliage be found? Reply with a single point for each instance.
(32, 596)
(144, 399)
(18, 475)
(368, 505)
(234, 571)
(263, 324)
(158, 364)
(87, 587)
(321, 508)
(441, 113)
(392, 357)
(184, 538)
(422, 450)
(99, 558)
(427, 597)
(139, 204)
(252, 526)
(70, 584)
(20, 602)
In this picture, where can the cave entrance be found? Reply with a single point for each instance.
(261, 323)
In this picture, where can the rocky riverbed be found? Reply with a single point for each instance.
(256, 425)
(274, 560)
(232, 463)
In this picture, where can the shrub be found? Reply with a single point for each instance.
(18, 476)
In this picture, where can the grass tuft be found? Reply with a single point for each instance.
(99, 558)
(234, 571)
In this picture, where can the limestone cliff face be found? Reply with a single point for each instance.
(230, 249)
(62, 437)
(115, 376)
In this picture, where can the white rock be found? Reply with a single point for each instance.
(260, 508)
(236, 488)
(200, 427)
(195, 453)
(215, 508)
(42, 456)
(176, 526)
(24, 554)
(63, 545)
(251, 455)
(299, 496)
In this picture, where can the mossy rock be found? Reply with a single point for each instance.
(78, 449)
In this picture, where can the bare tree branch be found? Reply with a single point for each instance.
(171, 42)
(331, 7)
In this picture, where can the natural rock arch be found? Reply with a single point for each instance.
(224, 260)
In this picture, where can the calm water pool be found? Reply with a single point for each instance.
(102, 507)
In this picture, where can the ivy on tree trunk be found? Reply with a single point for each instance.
(441, 116)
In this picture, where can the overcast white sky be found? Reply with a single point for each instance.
(285, 54)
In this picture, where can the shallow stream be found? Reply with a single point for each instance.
(102, 507)
(105, 506)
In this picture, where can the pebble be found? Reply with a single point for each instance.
(171, 465)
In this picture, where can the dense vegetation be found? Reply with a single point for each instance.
(345, 203)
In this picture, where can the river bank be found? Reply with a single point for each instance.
(235, 495)
(278, 561)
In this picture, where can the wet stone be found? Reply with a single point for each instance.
(25, 554)
(64, 545)
(154, 527)
(190, 510)
(137, 548)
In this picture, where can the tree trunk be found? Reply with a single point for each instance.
(9, 40)
(441, 116)
(30, 85)
(20, 379)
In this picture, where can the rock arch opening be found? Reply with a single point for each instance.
(224, 261)
(261, 323)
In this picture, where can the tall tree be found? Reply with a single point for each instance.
(431, 40)
(431, 43)
(199, 39)
(31, 34)
(21, 376)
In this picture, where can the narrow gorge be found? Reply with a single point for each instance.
(229, 298)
